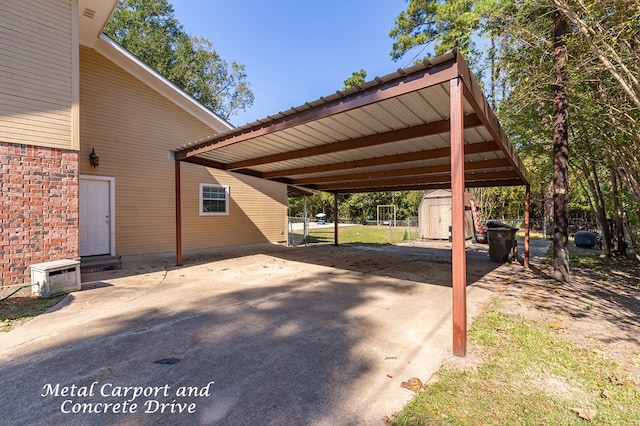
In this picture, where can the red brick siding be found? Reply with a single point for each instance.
(38, 208)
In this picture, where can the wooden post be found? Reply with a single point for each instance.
(458, 253)
(527, 225)
(178, 215)
(335, 219)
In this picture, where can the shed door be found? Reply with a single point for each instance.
(95, 223)
(439, 221)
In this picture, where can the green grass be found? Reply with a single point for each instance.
(598, 261)
(17, 309)
(533, 235)
(591, 259)
(529, 376)
(363, 234)
(370, 234)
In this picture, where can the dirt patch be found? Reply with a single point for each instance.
(17, 310)
(599, 309)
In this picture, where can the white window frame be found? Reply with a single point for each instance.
(226, 204)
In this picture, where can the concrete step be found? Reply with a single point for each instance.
(100, 263)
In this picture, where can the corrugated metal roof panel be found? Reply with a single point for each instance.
(401, 112)
(378, 134)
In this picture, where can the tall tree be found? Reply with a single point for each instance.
(446, 24)
(618, 230)
(598, 81)
(357, 78)
(610, 35)
(591, 177)
(150, 30)
(560, 152)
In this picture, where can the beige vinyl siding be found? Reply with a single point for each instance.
(132, 129)
(37, 88)
(257, 210)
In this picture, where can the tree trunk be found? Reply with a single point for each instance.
(548, 211)
(629, 169)
(620, 243)
(494, 77)
(560, 152)
(632, 238)
(606, 53)
(591, 176)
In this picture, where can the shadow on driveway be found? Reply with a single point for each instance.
(315, 335)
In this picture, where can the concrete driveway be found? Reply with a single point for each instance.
(255, 335)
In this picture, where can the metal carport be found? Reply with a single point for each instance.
(425, 127)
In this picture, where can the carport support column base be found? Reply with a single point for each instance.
(458, 252)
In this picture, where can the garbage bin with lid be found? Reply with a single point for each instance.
(502, 241)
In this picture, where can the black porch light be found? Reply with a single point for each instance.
(93, 158)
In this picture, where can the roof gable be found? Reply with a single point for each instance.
(93, 15)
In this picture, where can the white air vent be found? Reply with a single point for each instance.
(89, 13)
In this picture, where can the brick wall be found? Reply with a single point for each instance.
(38, 208)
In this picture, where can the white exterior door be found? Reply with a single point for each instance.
(95, 220)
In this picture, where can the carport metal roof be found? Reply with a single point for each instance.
(425, 127)
(390, 134)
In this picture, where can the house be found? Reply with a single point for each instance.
(434, 215)
(86, 138)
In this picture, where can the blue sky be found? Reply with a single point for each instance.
(295, 51)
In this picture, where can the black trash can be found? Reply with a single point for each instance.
(585, 239)
(501, 242)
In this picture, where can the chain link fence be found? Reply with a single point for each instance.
(350, 230)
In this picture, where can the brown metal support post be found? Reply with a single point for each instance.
(178, 215)
(335, 219)
(458, 253)
(527, 225)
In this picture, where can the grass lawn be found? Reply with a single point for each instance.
(363, 234)
(371, 234)
(533, 235)
(530, 376)
(530, 372)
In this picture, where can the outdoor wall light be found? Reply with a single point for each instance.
(93, 158)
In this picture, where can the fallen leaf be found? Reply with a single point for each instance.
(605, 394)
(414, 384)
(585, 413)
(501, 330)
(615, 381)
(554, 325)
(390, 376)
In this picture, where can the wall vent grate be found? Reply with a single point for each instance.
(89, 13)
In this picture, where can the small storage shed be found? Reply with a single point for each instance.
(434, 215)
